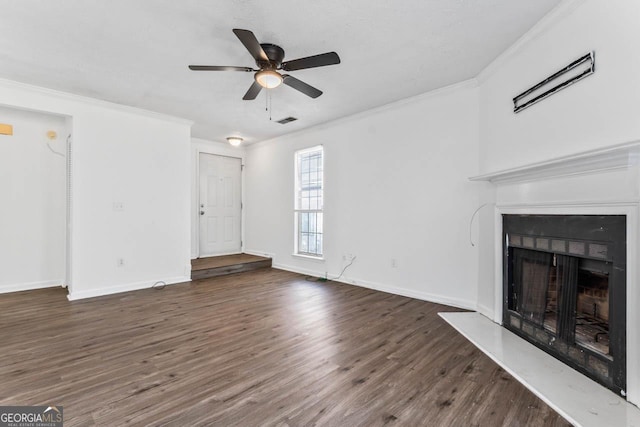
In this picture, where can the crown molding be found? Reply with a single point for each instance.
(557, 14)
(12, 84)
(445, 90)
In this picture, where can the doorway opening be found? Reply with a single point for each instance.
(35, 191)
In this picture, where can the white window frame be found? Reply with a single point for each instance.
(297, 209)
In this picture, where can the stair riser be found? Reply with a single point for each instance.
(230, 269)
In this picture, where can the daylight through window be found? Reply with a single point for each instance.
(309, 201)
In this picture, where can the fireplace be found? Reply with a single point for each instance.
(565, 290)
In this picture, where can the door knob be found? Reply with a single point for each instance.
(201, 212)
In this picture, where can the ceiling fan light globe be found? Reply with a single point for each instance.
(268, 79)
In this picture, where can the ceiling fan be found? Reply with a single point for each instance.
(269, 58)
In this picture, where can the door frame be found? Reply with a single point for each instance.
(196, 205)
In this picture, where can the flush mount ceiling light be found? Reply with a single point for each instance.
(234, 140)
(268, 79)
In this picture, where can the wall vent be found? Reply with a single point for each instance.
(287, 120)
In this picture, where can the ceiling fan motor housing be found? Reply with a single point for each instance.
(274, 53)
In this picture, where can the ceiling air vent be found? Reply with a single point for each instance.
(287, 120)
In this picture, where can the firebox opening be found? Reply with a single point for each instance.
(564, 290)
(567, 296)
(592, 311)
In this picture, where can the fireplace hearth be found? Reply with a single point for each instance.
(565, 290)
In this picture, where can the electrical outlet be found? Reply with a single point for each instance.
(120, 262)
(347, 257)
(394, 263)
(118, 206)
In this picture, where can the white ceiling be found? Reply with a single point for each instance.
(136, 52)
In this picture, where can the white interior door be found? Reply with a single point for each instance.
(220, 205)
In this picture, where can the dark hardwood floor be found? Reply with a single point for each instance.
(263, 348)
(225, 261)
(209, 267)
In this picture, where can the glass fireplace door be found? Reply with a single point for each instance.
(566, 296)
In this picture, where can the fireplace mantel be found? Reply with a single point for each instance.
(621, 156)
(604, 181)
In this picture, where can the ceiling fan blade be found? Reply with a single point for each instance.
(329, 58)
(218, 68)
(249, 41)
(301, 86)
(253, 91)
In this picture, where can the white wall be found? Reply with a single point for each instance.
(129, 156)
(210, 147)
(395, 187)
(33, 194)
(599, 111)
(484, 243)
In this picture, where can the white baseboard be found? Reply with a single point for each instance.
(486, 311)
(424, 296)
(411, 293)
(92, 293)
(296, 270)
(18, 287)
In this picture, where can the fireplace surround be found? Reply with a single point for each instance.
(564, 290)
(601, 181)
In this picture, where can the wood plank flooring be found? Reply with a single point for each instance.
(204, 268)
(224, 261)
(263, 348)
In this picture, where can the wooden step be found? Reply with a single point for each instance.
(204, 268)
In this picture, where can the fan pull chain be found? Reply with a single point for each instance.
(268, 105)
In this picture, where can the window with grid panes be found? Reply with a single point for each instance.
(309, 201)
